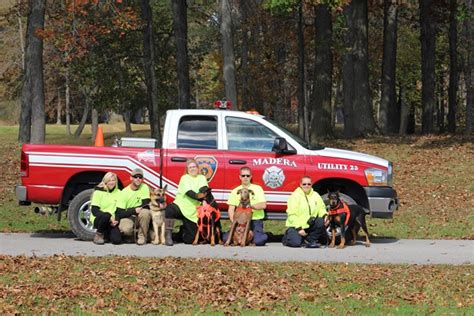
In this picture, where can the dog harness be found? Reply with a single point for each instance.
(206, 211)
(341, 208)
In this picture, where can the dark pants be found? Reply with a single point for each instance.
(316, 233)
(189, 228)
(112, 233)
(259, 236)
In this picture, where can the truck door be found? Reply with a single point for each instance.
(250, 144)
(197, 138)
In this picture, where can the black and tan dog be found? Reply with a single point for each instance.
(348, 218)
(157, 208)
(209, 224)
(240, 233)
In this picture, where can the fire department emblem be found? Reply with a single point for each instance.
(207, 166)
(273, 177)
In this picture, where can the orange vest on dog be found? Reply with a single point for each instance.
(341, 209)
(207, 211)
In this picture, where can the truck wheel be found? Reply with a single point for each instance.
(78, 216)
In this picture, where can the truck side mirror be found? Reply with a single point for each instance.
(280, 146)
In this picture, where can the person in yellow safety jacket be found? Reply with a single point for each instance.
(188, 197)
(135, 202)
(258, 203)
(307, 217)
(103, 206)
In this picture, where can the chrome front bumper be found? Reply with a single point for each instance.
(383, 201)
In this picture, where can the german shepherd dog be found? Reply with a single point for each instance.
(209, 224)
(240, 233)
(347, 217)
(157, 208)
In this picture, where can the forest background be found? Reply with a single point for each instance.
(323, 68)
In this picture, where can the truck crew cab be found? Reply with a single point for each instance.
(222, 141)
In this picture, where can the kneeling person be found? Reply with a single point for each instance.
(307, 218)
(135, 200)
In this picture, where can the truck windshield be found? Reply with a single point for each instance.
(300, 141)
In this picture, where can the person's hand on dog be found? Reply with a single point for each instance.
(113, 222)
(138, 210)
(326, 221)
(302, 233)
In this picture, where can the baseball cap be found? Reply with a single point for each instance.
(137, 171)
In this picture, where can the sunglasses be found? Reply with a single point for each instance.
(306, 184)
(245, 175)
(137, 176)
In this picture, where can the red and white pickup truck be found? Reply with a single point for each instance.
(222, 141)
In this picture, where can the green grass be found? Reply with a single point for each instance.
(431, 178)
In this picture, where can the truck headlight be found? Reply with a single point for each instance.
(376, 177)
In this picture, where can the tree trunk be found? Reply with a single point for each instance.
(128, 125)
(94, 123)
(58, 108)
(38, 118)
(67, 103)
(348, 74)
(388, 102)
(404, 112)
(32, 117)
(244, 56)
(21, 36)
(453, 67)
(362, 101)
(301, 72)
(228, 51)
(180, 22)
(321, 96)
(428, 61)
(149, 70)
(83, 121)
(469, 66)
(440, 104)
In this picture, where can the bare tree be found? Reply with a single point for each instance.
(301, 73)
(388, 113)
(228, 51)
(149, 70)
(348, 74)
(321, 96)
(428, 60)
(362, 102)
(469, 66)
(180, 22)
(453, 66)
(32, 117)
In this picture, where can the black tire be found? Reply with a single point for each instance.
(78, 216)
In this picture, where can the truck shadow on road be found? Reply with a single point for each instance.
(53, 234)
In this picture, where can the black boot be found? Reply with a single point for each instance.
(169, 224)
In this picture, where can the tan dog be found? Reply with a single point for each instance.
(240, 233)
(157, 207)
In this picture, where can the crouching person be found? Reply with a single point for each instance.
(188, 197)
(103, 206)
(306, 218)
(135, 200)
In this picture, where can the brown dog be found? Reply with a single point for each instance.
(157, 208)
(348, 218)
(240, 233)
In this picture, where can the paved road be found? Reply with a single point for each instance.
(413, 251)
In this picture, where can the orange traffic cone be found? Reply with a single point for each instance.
(99, 137)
